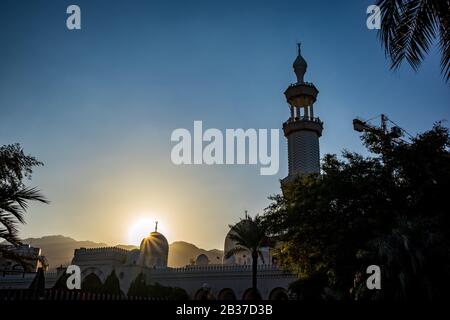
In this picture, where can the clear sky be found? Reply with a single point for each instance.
(98, 105)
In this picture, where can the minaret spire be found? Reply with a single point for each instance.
(300, 65)
(156, 226)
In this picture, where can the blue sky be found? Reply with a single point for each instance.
(98, 105)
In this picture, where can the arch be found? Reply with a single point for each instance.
(92, 283)
(99, 273)
(226, 294)
(202, 294)
(249, 295)
(279, 294)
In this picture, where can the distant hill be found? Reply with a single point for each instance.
(59, 250)
(180, 254)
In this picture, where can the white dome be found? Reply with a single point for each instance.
(239, 258)
(243, 257)
(154, 251)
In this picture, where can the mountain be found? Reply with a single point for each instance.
(181, 253)
(59, 250)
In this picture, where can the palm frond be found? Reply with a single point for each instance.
(390, 17)
(414, 34)
(409, 28)
(10, 234)
(235, 250)
(442, 10)
(15, 202)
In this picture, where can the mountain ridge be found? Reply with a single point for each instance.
(58, 249)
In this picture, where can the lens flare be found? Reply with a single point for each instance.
(142, 227)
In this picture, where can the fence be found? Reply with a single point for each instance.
(65, 295)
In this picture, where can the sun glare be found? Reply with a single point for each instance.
(141, 228)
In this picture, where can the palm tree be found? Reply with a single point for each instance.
(250, 235)
(409, 27)
(15, 166)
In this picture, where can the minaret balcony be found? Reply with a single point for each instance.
(303, 123)
(301, 94)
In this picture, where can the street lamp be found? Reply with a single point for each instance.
(363, 126)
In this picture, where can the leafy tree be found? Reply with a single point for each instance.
(173, 293)
(409, 27)
(250, 235)
(389, 209)
(15, 196)
(112, 284)
(139, 288)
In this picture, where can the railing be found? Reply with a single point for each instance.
(221, 268)
(15, 274)
(304, 118)
(306, 84)
(101, 250)
(65, 295)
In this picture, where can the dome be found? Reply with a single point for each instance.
(202, 260)
(300, 66)
(243, 257)
(156, 237)
(154, 250)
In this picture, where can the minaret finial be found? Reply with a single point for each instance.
(300, 65)
(156, 226)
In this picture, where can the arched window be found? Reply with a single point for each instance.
(278, 294)
(226, 294)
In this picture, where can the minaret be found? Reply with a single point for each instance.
(302, 129)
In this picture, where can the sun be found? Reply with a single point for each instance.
(140, 229)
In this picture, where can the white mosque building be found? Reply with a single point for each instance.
(230, 279)
(226, 281)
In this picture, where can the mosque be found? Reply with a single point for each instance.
(231, 279)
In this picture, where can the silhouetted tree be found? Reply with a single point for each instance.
(173, 293)
(409, 27)
(61, 283)
(250, 235)
(138, 288)
(15, 166)
(112, 284)
(37, 286)
(389, 209)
